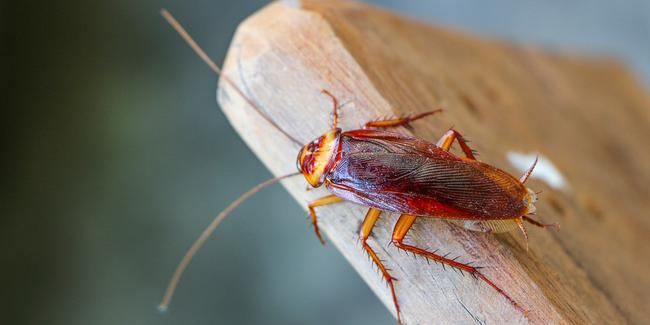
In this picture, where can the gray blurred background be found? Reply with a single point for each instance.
(116, 156)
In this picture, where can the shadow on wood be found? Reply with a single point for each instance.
(589, 117)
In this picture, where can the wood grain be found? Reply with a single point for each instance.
(589, 116)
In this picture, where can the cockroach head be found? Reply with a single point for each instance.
(317, 157)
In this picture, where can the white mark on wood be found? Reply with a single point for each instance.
(296, 4)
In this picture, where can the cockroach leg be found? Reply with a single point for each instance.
(402, 227)
(325, 200)
(402, 121)
(541, 225)
(364, 232)
(447, 140)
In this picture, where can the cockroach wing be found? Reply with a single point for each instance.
(437, 184)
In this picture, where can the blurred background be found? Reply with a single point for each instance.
(117, 156)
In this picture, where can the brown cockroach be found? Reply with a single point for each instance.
(393, 172)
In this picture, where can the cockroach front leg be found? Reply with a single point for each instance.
(402, 121)
(402, 227)
(447, 140)
(364, 232)
(325, 200)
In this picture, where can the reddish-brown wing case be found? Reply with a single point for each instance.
(398, 173)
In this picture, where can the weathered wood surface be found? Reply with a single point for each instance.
(588, 116)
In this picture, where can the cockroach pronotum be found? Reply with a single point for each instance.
(393, 172)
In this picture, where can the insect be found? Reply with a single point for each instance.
(388, 171)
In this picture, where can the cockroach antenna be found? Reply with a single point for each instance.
(199, 51)
(178, 273)
(223, 214)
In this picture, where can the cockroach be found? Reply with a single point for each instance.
(392, 172)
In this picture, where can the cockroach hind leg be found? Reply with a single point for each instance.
(541, 225)
(403, 225)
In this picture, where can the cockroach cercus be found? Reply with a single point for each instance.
(393, 172)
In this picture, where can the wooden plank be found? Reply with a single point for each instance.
(588, 116)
